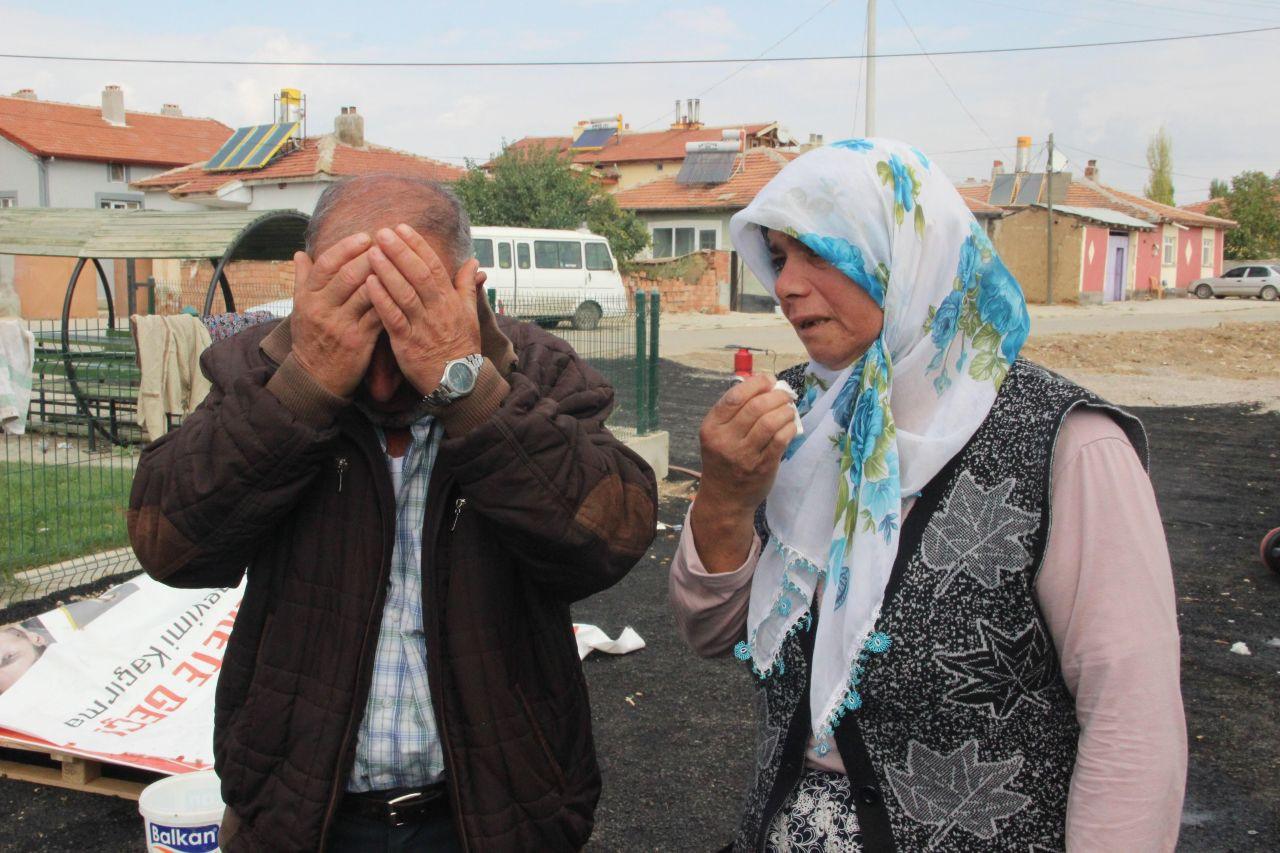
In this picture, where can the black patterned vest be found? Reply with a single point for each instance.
(966, 738)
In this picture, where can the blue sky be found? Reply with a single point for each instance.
(1215, 96)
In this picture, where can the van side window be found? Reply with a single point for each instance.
(598, 257)
(484, 251)
(504, 255)
(522, 255)
(557, 254)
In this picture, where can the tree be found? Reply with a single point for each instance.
(537, 187)
(1254, 203)
(1160, 159)
(1218, 188)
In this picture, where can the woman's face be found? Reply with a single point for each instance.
(18, 651)
(835, 318)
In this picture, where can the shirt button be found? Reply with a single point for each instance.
(869, 795)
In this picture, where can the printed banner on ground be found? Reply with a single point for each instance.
(127, 677)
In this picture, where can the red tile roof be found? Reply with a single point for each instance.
(1083, 192)
(754, 169)
(1202, 207)
(975, 198)
(322, 155)
(631, 147)
(74, 132)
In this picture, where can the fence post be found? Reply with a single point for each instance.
(493, 299)
(151, 295)
(655, 312)
(642, 396)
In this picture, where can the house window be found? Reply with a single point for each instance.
(1168, 250)
(117, 173)
(1206, 251)
(706, 239)
(119, 204)
(672, 242)
(8, 198)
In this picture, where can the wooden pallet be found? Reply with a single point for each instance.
(45, 766)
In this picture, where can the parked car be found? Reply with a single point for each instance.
(1260, 280)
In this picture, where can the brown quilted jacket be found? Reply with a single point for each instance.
(532, 505)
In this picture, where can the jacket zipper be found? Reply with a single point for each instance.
(384, 571)
(433, 523)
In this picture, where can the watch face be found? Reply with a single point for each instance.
(461, 377)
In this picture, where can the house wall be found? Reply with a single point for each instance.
(1147, 261)
(757, 297)
(1093, 263)
(19, 173)
(691, 283)
(299, 196)
(637, 174)
(1169, 266)
(1020, 241)
(41, 285)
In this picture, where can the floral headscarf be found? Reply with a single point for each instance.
(879, 430)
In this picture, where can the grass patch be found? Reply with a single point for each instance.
(50, 513)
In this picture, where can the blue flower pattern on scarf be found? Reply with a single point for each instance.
(903, 183)
(847, 258)
(854, 144)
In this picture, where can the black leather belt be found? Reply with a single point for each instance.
(398, 807)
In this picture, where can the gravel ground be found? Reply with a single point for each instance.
(673, 731)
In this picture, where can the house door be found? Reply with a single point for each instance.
(1117, 268)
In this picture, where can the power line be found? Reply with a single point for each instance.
(941, 76)
(1127, 163)
(576, 63)
(737, 71)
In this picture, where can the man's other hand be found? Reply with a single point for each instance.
(334, 326)
(429, 317)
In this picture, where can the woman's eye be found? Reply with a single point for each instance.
(777, 262)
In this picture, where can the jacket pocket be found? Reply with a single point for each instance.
(540, 737)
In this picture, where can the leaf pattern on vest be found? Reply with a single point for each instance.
(979, 532)
(1005, 670)
(956, 791)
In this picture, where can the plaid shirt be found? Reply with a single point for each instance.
(399, 745)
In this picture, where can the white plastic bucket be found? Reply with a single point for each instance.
(182, 813)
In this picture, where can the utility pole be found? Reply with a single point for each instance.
(1048, 257)
(871, 68)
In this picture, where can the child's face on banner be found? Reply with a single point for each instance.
(18, 651)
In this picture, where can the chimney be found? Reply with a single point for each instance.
(171, 110)
(1024, 154)
(349, 128)
(26, 94)
(679, 120)
(113, 105)
(997, 168)
(1091, 171)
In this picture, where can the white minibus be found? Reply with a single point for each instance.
(547, 276)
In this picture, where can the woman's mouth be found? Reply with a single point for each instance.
(808, 323)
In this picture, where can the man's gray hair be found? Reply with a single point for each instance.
(435, 208)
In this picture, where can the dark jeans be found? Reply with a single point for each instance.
(356, 834)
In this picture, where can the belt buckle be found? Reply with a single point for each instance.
(404, 801)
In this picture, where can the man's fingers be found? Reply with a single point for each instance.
(389, 313)
(301, 270)
(336, 257)
(415, 241)
(393, 281)
(467, 281)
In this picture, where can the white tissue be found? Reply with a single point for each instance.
(782, 386)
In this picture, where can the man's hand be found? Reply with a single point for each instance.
(429, 318)
(743, 438)
(334, 326)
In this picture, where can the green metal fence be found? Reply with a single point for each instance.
(64, 485)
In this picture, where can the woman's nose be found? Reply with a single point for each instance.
(790, 283)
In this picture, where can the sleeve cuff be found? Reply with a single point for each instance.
(462, 416)
(308, 400)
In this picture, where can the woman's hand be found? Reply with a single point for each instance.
(743, 438)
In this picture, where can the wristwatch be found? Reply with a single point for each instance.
(458, 381)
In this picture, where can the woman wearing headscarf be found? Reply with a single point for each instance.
(956, 598)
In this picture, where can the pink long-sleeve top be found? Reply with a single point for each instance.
(1106, 590)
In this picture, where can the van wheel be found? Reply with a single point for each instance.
(587, 317)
